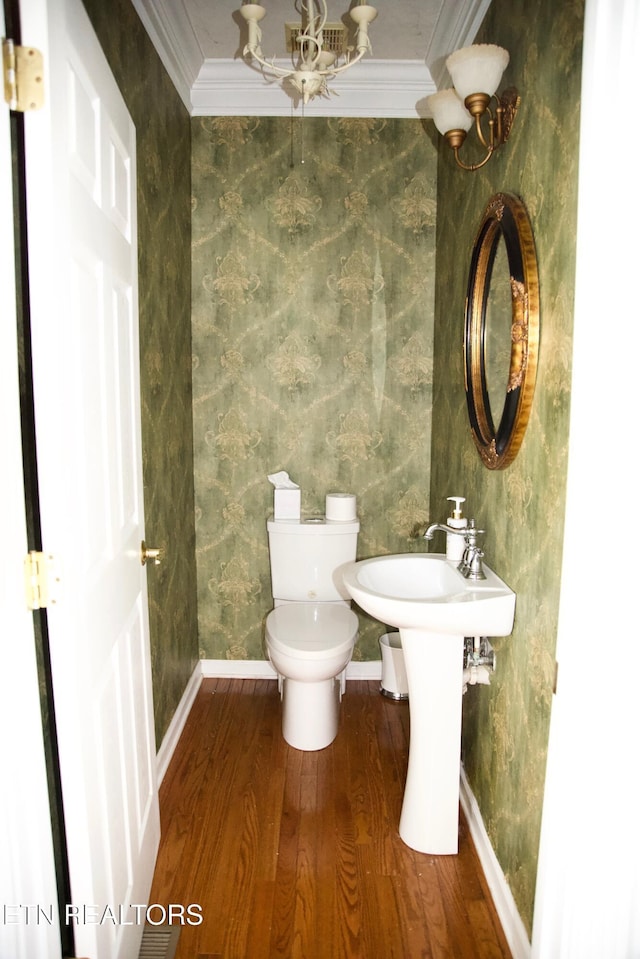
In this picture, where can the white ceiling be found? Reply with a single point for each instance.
(200, 43)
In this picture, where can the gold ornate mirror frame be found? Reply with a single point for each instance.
(505, 217)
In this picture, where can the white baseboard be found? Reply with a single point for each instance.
(237, 668)
(506, 908)
(369, 670)
(173, 733)
(262, 669)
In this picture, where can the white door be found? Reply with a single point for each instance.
(81, 213)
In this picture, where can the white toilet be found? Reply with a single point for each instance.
(311, 632)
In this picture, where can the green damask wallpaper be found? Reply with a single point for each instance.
(313, 287)
(505, 728)
(164, 211)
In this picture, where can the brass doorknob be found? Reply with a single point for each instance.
(150, 554)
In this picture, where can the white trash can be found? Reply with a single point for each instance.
(394, 675)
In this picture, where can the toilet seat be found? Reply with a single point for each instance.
(311, 630)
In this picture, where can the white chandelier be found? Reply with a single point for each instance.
(315, 64)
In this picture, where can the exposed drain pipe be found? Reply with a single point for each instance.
(479, 662)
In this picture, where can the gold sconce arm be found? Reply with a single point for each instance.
(472, 166)
(499, 124)
(506, 109)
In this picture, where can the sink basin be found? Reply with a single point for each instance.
(424, 591)
(434, 607)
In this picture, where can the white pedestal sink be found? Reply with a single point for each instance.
(434, 607)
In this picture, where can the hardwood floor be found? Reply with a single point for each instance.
(296, 855)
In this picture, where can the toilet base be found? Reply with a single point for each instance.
(310, 712)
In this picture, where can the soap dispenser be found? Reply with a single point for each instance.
(455, 542)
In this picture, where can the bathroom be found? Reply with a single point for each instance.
(336, 385)
(367, 397)
(411, 454)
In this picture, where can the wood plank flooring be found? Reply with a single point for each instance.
(296, 855)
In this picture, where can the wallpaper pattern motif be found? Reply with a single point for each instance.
(506, 725)
(313, 274)
(164, 212)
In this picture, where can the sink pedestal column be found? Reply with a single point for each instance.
(429, 818)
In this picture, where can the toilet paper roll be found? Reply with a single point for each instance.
(340, 507)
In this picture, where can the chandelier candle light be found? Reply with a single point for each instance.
(476, 72)
(315, 62)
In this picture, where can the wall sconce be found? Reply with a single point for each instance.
(476, 72)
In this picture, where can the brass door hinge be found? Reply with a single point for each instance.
(41, 580)
(23, 75)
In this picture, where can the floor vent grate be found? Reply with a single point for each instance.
(159, 942)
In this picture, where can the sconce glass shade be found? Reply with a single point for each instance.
(477, 69)
(449, 112)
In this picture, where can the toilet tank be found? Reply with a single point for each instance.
(304, 556)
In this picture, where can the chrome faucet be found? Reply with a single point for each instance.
(445, 529)
(471, 563)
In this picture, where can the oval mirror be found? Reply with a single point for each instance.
(501, 330)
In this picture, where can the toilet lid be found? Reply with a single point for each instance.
(312, 627)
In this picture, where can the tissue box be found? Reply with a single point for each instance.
(286, 504)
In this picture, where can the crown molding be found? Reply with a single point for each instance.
(457, 27)
(171, 33)
(374, 88)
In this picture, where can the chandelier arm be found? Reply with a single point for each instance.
(252, 47)
(321, 15)
(316, 11)
(345, 66)
(280, 71)
(309, 60)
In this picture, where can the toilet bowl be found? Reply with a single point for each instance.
(311, 632)
(310, 646)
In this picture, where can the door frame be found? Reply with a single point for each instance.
(588, 880)
(28, 873)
